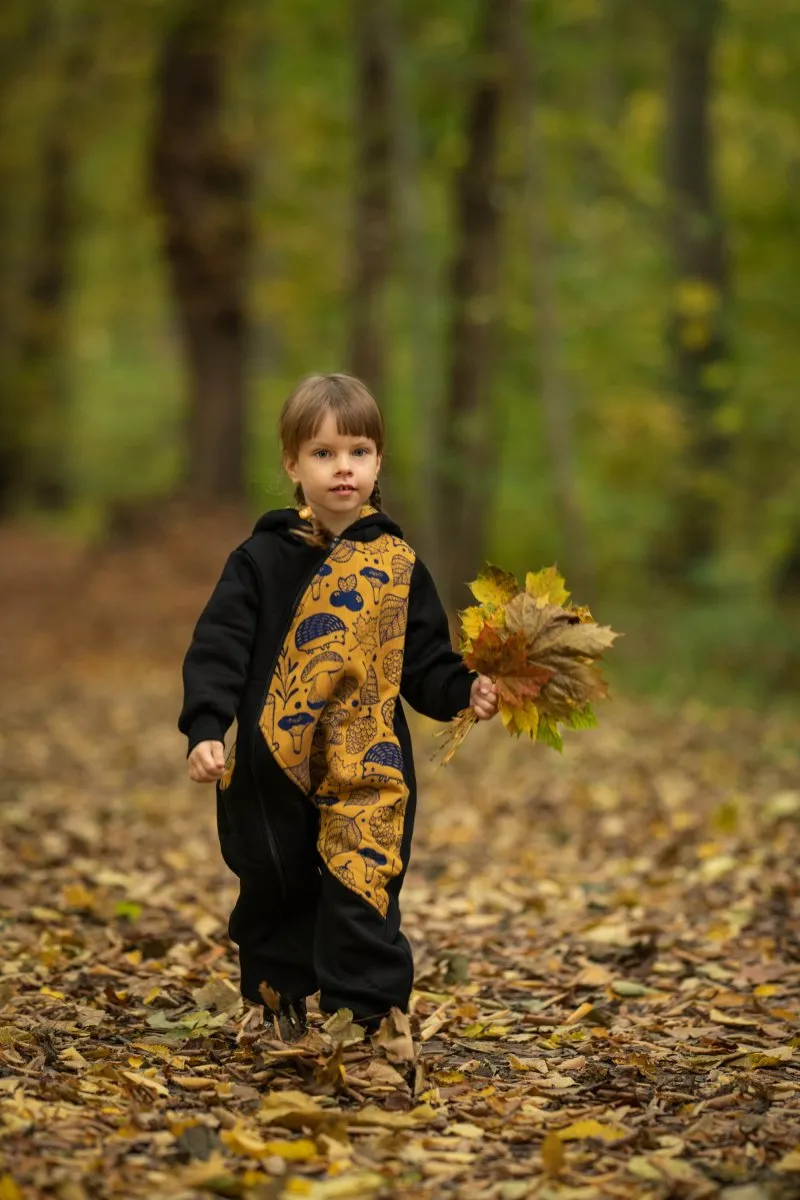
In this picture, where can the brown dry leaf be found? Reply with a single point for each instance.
(394, 1037)
(343, 1030)
(218, 994)
(505, 659)
(587, 934)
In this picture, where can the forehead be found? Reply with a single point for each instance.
(328, 432)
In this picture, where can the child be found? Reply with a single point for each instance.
(320, 621)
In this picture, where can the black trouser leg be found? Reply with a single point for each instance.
(274, 919)
(363, 961)
(275, 941)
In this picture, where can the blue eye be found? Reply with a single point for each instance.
(361, 452)
(320, 453)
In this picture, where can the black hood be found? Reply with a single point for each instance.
(365, 529)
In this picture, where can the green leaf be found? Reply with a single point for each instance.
(548, 733)
(582, 718)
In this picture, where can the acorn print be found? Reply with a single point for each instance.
(393, 666)
(332, 719)
(360, 734)
(346, 876)
(387, 712)
(386, 824)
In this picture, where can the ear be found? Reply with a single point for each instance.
(380, 460)
(290, 467)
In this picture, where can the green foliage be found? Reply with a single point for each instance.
(600, 88)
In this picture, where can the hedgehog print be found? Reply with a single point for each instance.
(319, 632)
(384, 754)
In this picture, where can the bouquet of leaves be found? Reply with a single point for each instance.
(540, 651)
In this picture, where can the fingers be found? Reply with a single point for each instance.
(484, 698)
(207, 762)
(484, 711)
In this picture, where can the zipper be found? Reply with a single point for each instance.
(273, 845)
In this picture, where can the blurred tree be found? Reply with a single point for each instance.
(42, 331)
(467, 442)
(201, 184)
(41, 64)
(698, 336)
(374, 131)
(555, 386)
(417, 272)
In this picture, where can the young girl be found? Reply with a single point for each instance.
(321, 620)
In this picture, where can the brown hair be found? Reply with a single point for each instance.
(357, 415)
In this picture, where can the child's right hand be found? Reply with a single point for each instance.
(207, 762)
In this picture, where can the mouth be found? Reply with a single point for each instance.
(343, 489)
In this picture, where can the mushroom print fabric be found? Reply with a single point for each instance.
(332, 696)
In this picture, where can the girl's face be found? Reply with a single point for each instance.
(337, 473)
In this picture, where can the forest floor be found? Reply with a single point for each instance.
(607, 943)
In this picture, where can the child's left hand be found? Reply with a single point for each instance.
(483, 698)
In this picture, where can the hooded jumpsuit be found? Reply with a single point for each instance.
(310, 649)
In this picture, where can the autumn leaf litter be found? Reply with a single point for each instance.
(608, 964)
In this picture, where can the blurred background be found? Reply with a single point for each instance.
(560, 241)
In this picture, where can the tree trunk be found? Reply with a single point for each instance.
(697, 337)
(34, 256)
(467, 460)
(372, 207)
(373, 201)
(202, 188)
(42, 335)
(419, 275)
(554, 383)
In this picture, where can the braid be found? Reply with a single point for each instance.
(319, 535)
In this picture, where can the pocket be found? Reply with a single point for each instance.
(230, 843)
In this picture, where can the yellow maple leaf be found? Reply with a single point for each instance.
(527, 719)
(472, 622)
(494, 586)
(475, 619)
(590, 1128)
(547, 586)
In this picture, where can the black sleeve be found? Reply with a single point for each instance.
(217, 661)
(436, 681)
